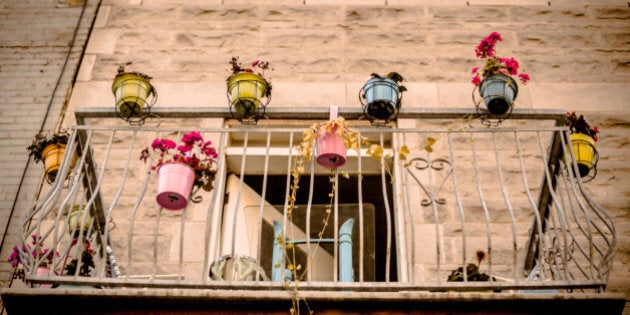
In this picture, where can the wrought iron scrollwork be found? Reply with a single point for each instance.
(422, 164)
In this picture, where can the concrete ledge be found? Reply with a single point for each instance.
(179, 301)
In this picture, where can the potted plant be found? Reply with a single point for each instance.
(247, 88)
(132, 92)
(383, 96)
(583, 139)
(472, 272)
(86, 257)
(193, 165)
(78, 221)
(42, 256)
(50, 150)
(496, 85)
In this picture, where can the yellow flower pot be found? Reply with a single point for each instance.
(584, 149)
(245, 91)
(52, 156)
(131, 91)
(78, 220)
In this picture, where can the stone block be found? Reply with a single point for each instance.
(102, 41)
(304, 14)
(471, 14)
(308, 94)
(581, 96)
(301, 38)
(202, 13)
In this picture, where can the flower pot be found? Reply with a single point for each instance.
(382, 98)
(330, 149)
(43, 271)
(499, 92)
(52, 156)
(175, 182)
(584, 149)
(131, 91)
(245, 91)
(78, 220)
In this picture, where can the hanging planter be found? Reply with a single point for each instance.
(381, 98)
(193, 166)
(52, 156)
(248, 92)
(331, 148)
(584, 149)
(175, 181)
(134, 95)
(583, 139)
(78, 221)
(498, 92)
(50, 150)
(497, 87)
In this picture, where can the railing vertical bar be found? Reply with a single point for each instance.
(387, 213)
(482, 200)
(335, 228)
(262, 203)
(135, 210)
(534, 206)
(212, 217)
(508, 204)
(285, 218)
(116, 198)
(551, 182)
(458, 199)
(411, 223)
(155, 244)
(361, 220)
(237, 204)
(309, 205)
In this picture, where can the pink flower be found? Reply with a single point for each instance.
(474, 70)
(476, 80)
(524, 77)
(511, 65)
(191, 137)
(596, 129)
(163, 144)
(495, 37)
(255, 63)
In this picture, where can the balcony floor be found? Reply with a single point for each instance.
(204, 301)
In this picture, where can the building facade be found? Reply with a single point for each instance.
(61, 57)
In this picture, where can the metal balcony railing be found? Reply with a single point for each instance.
(404, 221)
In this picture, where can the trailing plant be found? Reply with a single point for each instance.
(42, 140)
(87, 260)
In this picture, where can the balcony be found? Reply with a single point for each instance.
(397, 230)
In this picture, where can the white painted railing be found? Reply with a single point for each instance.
(507, 192)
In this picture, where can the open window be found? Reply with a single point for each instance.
(256, 192)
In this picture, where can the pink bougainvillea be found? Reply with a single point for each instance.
(494, 64)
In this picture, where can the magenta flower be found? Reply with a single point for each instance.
(524, 77)
(476, 80)
(191, 137)
(493, 64)
(200, 155)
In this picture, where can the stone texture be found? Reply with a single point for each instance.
(322, 52)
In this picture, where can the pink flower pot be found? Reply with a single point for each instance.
(175, 182)
(331, 150)
(43, 271)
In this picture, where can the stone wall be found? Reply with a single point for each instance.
(39, 58)
(322, 52)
